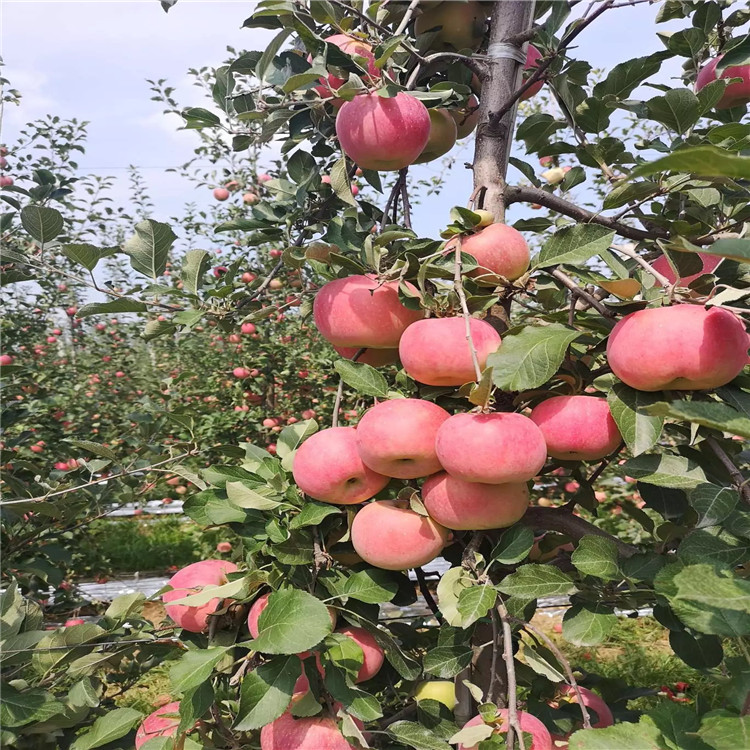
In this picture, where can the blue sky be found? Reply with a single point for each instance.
(90, 59)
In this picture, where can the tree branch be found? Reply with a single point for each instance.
(738, 479)
(425, 591)
(514, 726)
(576, 291)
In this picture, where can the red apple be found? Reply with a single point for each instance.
(736, 94)
(190, 580)
(532, 62)
(74, 621)
(577, 428)
(6, 359)
(373, 654)
(436, 352)
(360, 311)
(314, 733)
(351, 46)
(443, 135)
(491, 448)
(709, 262)
(682, 347)
(397, 438)
(385, 134)
(261, 603)
(327, 466)
(5, 181)
(461, 505)
(158, 724)
(241, 372)
(500, 250)
(540, 737)
(567, 694)
(393, 537)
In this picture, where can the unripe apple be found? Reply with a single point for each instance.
(577, 428)
(485, 217)
(442, 138)
(250, 199)
(436, 352)
(383, 134)
(221, 194)
(327, 466)
(682, 348)
(554, 176)
(349, 45)
(500, 250)
(461, 505)
(709, 262)
(456, 25)
(466, 118)
(314, 733)
(736, 94)
(540, 736)
(392, 537)
(360, 311)
(397, 438)
(491, 448)
(190, 580)
(373, 357)
(160, 723)
(275, 284)
(442, 691)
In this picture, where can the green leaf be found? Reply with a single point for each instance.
(588, 624)
(639, 431)
(228, 590)
(312, 514)
(417, 736)
(734, 249)
(244, 497)
(19, 708)
(114, 306)
(630, 191)
(291, 437)
(149, 247)
(514, 545)
(665, 470)
(194, 667)
(85, 255)
(340, 182)
(475, 602)
(58, 647)
(713, 503)
(597, 556)
(623, 736)
(210, 508)
(713, 414)
(678, 109)
(266, 692)
(107, 728)
(706, 161)
(155, 328)
(269, 53)
(529, 358)
(726, 732)
(96, 449)
(197, 117)
(697, 651)
(43, 224)
(574, 244)
(371, 586)
(293, 621)
(194, 266)
(626, 76)
(124, 606)
(541, 661)
(533, 581)
(447, 661)
(363, 378)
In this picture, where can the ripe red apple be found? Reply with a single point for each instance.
(241, 372)
(456, 25)
(383, 134)
(461, 505)
(190, 580)
(532, 62)
(736, 94)
(443, 135)
(500, 250)
(359, 311)
(540, 737)
(373, 357)
(248, 278)
(393, 537)
(567, 694)
(466, 118)
(314, 733)
(328, 467)
(5, 181)
(436, 352)
(351, 46)
(577, 428)
(6, 359)
(221, 194)
(264, 177)
(709, 262)
(74, 621)
(158, 724)
(371, 651)
(397, 438)
(491, 448)
(261, 603)
(682, 347)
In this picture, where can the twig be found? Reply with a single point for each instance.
(565, 665)
(431, 603)
(407, 17)
(510, 668)
(643, 263)
(738, 479)
(126, 473)
(470, 62)
(405, 204)
(576, 290)
(467, 559)
(337, 403)
(493, 663)
(263, 286)
(529, 194)
(402, 714)
(458, 284)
